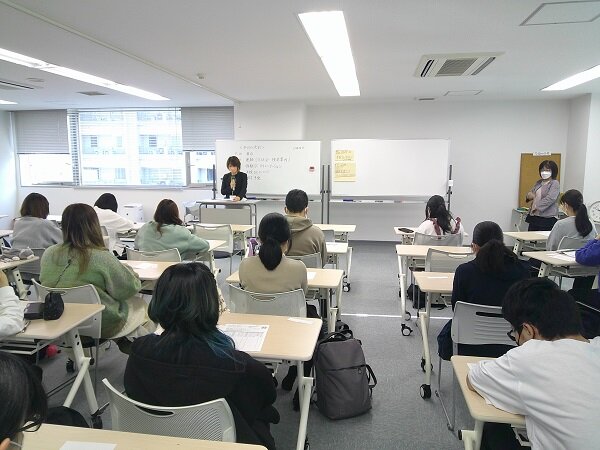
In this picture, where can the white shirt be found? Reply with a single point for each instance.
(113, 222)
(554, 384)
(427, 227)
(11, 312)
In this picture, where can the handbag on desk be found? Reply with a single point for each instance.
(54, 306)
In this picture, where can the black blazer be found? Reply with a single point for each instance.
(241, 185)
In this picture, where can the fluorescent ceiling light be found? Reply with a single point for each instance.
(26, 61)
(329, 36)
(575, 80)
(6, 102)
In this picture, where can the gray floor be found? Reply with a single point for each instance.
(400, 418)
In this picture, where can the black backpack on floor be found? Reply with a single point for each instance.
(343, 379)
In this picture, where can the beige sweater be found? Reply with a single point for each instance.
(287, 276)
(306, 238)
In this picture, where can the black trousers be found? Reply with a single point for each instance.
(537, 223)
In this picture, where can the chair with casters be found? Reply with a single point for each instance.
(443, 261)
(170, 255)
(211, 421)
(221, 233)
(473, 324)
(443, 239)
(90, 330)
(291, 303)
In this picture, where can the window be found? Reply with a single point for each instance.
(129, 147)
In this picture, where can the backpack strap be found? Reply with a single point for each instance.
(436, 227)
(456, 226)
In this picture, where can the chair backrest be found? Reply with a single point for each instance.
(86, 294)
(441, 261)
(170, 255)
(291, 303)
(444, 239)
(311, 261)
(33, 268)
(329, 235)
(104, 230)
(479, 324)
(569, 243)
(210, 421)
(217, 232)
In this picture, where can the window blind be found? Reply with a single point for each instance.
(201, 127)
(42, 131)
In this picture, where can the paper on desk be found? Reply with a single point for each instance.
(310, 275)
(570, 254)
(143, 265)
(563, 257)
(247, 338)
(74, 445)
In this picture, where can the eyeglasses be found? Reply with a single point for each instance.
(31, 426)
(511, 333)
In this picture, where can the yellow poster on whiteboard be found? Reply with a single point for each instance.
(344, 155)
(344, 171)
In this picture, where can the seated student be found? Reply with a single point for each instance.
(438, 220)
(167, 231)
(11, 311)
(106, 207)
(23, 400)
(306, 238)
(577, 223)
(195, 360)
(83, 259)
(589, 255)
(551, 378)
(271, 272)
(33, 230)
(483, 281)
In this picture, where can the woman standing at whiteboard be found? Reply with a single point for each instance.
(543, 213)
(234, 183)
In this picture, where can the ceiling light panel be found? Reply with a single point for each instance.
(575, 80)
(564, 12)
(328, 33)
(6, 102)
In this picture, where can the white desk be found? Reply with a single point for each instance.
(245, 203)
(63, 329)
(323, 279)
(414, 256)
(478, 408)
(557, 263)
(334, 250)
(4, 233)
(286, 340)
(534, 240)
(53, 437)
(340, 232)
(430, 283)
(14, 275)
(149, 270)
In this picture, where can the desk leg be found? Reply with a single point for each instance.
(402, 268)
(83, 363)
(15, 276)
(347, 272)
(518, 247)
(426, 361)
(544, 270)
(333, 311)
(304, 390)
(478, 434)
(212, 264)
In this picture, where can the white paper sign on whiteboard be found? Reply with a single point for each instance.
(417, 167)
(274, 167)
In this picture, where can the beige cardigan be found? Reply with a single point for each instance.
(289, 275)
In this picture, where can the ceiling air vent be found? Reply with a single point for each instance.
(457, 65)
(14, 86)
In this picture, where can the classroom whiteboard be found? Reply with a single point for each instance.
(375, 167)
(274, 167)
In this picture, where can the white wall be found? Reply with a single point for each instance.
(8, 183)
(269, 121)
(577, 142)
(591, 188)
(486, 138)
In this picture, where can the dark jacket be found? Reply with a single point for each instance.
(241, 185)
(589, 254)
(471, 285)
(177, 370)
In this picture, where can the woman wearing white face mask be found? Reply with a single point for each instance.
(543, 212)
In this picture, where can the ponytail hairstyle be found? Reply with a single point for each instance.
(273, 231)
(574, 199)
(436, 209)
(492, 253)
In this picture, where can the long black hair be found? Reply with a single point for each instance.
(492, 254)
(107, 201)
(21, 395)
(273, 231)
(185, 302)
(436, 209)
(574, 199)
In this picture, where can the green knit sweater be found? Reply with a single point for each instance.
(114, 281)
